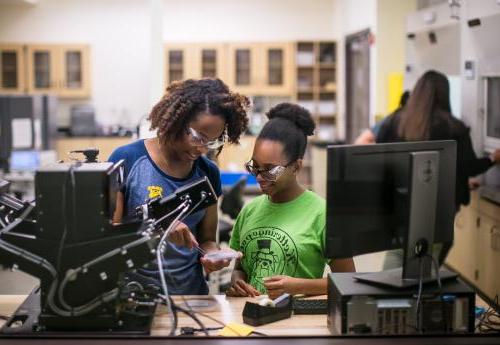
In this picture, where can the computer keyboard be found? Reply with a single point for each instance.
(310, 306)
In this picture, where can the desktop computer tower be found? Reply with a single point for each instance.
(360, 308)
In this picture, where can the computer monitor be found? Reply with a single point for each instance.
(390, 196)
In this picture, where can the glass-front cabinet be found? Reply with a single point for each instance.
(277, 68)
(194, 60)
(75, 71)
(11, 69)
(59, 69)
(261, 68)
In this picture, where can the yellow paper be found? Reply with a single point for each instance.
(234, 329)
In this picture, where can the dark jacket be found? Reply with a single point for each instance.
(446, 128)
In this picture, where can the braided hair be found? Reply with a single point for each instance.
(289, 124)
(184, 100)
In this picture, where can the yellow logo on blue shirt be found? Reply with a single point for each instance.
(155, 191)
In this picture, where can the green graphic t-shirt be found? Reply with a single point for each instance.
(281, 239)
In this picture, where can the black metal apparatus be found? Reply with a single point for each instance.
(67, 239)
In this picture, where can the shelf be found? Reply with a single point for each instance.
(305, 90)
(319, 95)
(326, 116)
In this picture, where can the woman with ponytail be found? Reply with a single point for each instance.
(282, 233)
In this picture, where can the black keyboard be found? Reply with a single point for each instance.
(310, 306)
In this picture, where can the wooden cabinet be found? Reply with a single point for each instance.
(261, 68)
(463, 255)
(12, 67)
(243, 70)
(186, 61)
(277, 67)
(59, 69)
(476, 249)
(75, 68)
(209, 61)
(249, 68)
(177, 60)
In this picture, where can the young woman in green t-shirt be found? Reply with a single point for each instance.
(282, 232)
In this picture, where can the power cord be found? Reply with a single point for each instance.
(193, 331)
(489, 321)
(419, 295)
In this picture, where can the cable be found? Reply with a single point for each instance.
(419, 295)
(192, 331)
(192, 314)
(186, 211)
(486, 324)
(159, 253)
(438, 278)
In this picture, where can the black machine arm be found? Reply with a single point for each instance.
(69, 242)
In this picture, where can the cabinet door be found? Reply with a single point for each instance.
(11, 69)
(74, 76)
(209, 61)
(462, 256)
(275, 68)
(180, 62)
(489, 256)
(42, 69)
(243, 67)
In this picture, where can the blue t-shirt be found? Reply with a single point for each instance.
(145, 180)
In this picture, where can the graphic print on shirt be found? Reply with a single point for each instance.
(268, 252)
(155, 191)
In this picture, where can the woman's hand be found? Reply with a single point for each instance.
(212, 263)
(278, 285)
(239, 287)
(181, 236)
(495, 156)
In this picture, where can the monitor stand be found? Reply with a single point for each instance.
(417, 253)
(393, 278)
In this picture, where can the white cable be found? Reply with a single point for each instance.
(159, 253)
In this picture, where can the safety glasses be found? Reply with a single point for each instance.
(271, 174)
(198, 139)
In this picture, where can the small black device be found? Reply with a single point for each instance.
(256, 315)
(310, 306)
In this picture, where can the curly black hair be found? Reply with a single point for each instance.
(289, 124)
(184, 100)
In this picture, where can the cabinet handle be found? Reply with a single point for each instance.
(495, 238)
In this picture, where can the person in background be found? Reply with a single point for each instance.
(427, 116)
(282, 232)
(369, 136)
(191, 118)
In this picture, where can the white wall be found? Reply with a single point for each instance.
(248, 20)
(118, 33)
(125, 76)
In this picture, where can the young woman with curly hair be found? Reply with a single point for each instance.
(191, 118)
